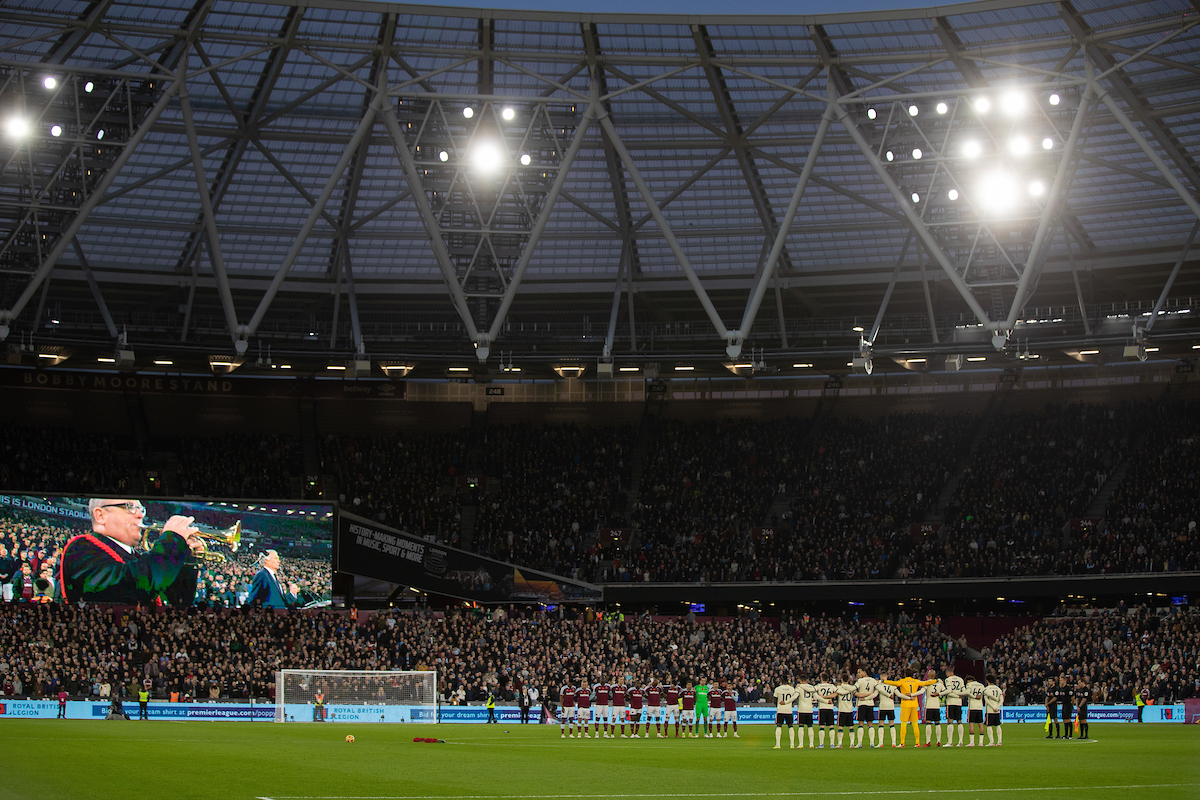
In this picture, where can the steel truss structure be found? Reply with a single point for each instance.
(414, 183)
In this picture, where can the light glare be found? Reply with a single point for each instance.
(17, 127)
(1047, 143)
(890, 155)
(526, 160)
(952, 194)
(872, 113)
(509, 114)
(468, 112)
(50, 82)
(1013, 103)
(913, 111)
(56, 130)
(916, 198)
(100, 133)
(972, 149)
(1018, 146)
(87, 87)
(487, 156)
(443, 156)
(983, 105)
(997, 191)
(917, 153)
(1037, 188)
(942, 108)
(1055, 99)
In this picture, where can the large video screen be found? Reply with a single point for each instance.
(171, 552)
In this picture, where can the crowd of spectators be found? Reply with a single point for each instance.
(96, 651)
(236, 465)
(1119, 652)
(556, 485)
(406, 481)
(45, 459)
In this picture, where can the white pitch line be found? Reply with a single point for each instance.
(723, 794)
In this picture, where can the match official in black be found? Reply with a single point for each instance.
(1083, 696)
(1068, 706)
(1052, 709)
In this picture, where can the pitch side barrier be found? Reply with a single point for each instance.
(265, 712)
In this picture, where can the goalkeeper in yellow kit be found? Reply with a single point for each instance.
(910, 710)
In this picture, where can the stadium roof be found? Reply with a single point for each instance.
(717, 186)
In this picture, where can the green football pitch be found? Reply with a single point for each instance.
(45, 760)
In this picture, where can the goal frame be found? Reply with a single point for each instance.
(302, 708)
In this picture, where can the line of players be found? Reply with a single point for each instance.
(843, 704)
(697, 709)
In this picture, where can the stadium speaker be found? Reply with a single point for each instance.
(604, 369)
(360, 368)
(954, 363)
(1137, 351)
(124, 358)
(862, 365)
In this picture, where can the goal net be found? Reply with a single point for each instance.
(324, 695)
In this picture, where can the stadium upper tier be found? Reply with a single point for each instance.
(1074, 490)
(96, 651)
(413, 183)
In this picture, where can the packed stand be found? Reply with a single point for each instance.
(557, 485)
(98, 651)
(1152, 516)
(1120, 652)
(862, 485)
(49, 460)
(240, 466)
(1029, 476)
(704, 485)
(402, 480)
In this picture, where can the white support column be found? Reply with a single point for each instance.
(535, 233)
(89, 205)
(432, 229)
(1049, 218)
(616, 305)
(95, 287)
(785, 227)
(918, 226)
(1120, 116)
(216, 258)
(887, 296)
(1183, 254)
(661, 221)
(364, 127)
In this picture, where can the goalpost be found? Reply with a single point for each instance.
(351, 695)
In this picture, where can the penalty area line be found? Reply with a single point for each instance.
(864, 792)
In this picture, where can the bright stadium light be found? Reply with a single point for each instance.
(952, 194)
(916, 198)
(917, 154)
(509, 113)
(50, 82)
(87, 87)
(526, 159)
(487, 156)
(1047, 143)
(1055, 99)
(972, 149)
(56, 130)
(1037, 188)
(890, 156)
(468, 112)
(1018, 146)
(983, 105)
(997, 191)
(100, 133)
(872, 113)
(942, 108)
(17, 127)
(443, 156)
(913, 110)
(1013, 103)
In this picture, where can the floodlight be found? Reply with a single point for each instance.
(857, 329)
(87, 87)
(100, 133)
(487, 156)
(1013, 103)
(1055, 99)
(913, 111)
(443, 156)
(17, 127)
(468, 112)
(889, 155)
(997, 191)
(56, 130)
(1047, 143)
(917, 153)
(916, 198)
(50, 82)
(1037, 188)
(982, 105)
(509, 113)
(972, 149)
(952, 194)
(526, 159)
(1018, 146)
(872, 113)
(942, 108)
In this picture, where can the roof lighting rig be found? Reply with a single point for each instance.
(61, 132)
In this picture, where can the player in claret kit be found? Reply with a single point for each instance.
(654, 711)
(618, 705)
(687, 710)
(716, 694)
(636, 698)
(730, 696)
(583, 707)
(600, 694)
(672, 692)
(566, 720)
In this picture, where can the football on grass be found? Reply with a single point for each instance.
(349, 737)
